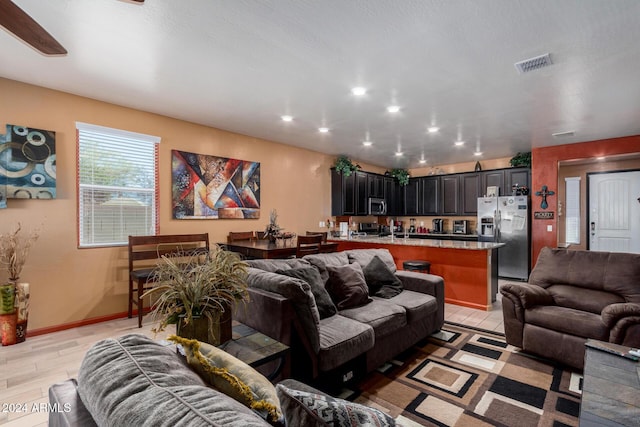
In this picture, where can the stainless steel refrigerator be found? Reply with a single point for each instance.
(506, 220)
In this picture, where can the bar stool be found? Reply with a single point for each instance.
(417, 265)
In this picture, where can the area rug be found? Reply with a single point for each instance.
(471, 377)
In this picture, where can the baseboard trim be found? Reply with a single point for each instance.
(84, 322)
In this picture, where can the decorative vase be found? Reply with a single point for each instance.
(199, 328)
(7, 298)
(478, 167)
(22, 310)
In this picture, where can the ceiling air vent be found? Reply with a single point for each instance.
(532, 64)
(563, 134)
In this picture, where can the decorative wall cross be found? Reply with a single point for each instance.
(544, 192)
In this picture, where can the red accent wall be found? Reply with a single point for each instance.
(544, 171)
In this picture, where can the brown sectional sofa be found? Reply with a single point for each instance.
(365, 336)
(573, 296)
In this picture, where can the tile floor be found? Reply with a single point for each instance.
(28, 369)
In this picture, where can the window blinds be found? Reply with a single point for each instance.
(117, 185)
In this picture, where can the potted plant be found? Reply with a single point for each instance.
(197, 293)
(345, 166)
(14, 296)
(401, 175)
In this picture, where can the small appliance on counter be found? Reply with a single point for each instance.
(461, 226)
(412, 225)
(437, 226)
(368, 228)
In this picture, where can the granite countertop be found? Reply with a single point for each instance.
(429, 243)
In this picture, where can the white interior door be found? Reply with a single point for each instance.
(614, 212)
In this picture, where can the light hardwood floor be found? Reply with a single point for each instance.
(28, 369)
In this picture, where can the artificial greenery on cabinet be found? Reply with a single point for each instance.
(345, 166)
(401, 175)
(521, 160)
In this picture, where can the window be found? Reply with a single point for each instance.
(117, 185)
(572, 218)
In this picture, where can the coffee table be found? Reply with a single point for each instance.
(611, 387)
(256, 349)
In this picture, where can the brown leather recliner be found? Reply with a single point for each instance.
(572, 296)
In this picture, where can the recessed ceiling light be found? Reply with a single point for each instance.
(433, 129)
(367, 143)
(286, 118)
(478, 153)
(393, 108)
(399, 153)
(459, 143)
(323, 130)
(422, 161)
(359, 91)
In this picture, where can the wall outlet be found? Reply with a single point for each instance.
(321, 224)
(549, 228)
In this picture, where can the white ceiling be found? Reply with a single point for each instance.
(241, 64)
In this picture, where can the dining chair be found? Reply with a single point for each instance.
(308, 245)
(234, 236)
(261, 235)
(322, 233)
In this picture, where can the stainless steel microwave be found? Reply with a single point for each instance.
(377, 206)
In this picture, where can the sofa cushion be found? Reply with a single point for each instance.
(382, 282)
(364, 257)
(273, 265)
(304, 408)
(385, 318)
(325, 305)
(298, 291)
(583, 299)
(321, 261)
(347, 286)
(233, 377)
(133, 380)
(342, 339)
(418, 306)
(568, 320)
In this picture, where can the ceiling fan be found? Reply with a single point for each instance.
(23, 26)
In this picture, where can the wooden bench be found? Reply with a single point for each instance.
(143, 249)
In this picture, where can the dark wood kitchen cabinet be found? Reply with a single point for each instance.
(362, 196)
(519, 176)
(343, 194)
(392, 194)
(493, 178)
(430, 195)
(469, 192)
(375, 185)
(412, 197)
(450, 187)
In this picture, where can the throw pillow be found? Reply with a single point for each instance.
(381, 280)
(326, 308)
(347, 286)
(232, 377)
(302, 408)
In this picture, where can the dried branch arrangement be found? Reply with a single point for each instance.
(14, 249)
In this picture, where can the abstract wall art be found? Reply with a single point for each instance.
(211, 187)
(27, 164)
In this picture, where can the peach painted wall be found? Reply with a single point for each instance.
(544, 171)
(70, 285)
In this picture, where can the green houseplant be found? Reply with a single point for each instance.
(345, 166)
(401, 175)
(197, 293)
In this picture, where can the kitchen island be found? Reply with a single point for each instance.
(469, 269)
